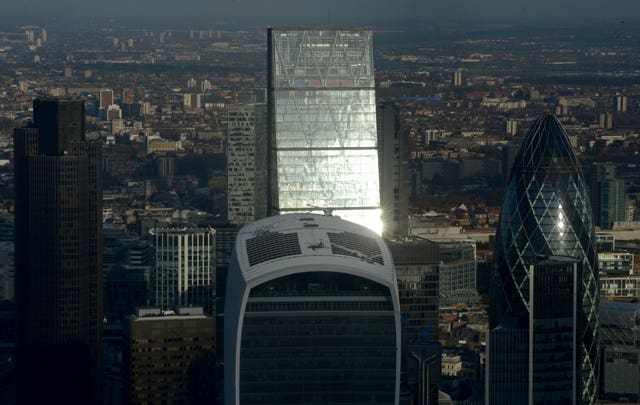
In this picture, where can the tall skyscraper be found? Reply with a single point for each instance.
(546, 213)
(393, 160)
(246, 162)
(58, 217)
(417, 269)
(185, 267)
(312, 314)
(322, 124)
(608, 195)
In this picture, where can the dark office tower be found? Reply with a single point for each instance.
(322, 135)
(247, 162)
(554, 288)
(393, 164)
(608, 195)
(225, 239)
(311, 315)
(417, 268)
(58, 217)
(546, 213)
(509, 152)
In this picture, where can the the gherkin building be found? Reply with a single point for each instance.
(545, 226)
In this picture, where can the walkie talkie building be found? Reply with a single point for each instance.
(312, 315)
(546, 213)
(322, 124)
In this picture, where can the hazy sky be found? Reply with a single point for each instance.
(340, 10)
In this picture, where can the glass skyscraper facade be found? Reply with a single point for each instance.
(322, 124)
(553, 321)
(246, 162)
(312, 314)
(546, 212)
(327, 349)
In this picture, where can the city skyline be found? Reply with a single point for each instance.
(174, 88)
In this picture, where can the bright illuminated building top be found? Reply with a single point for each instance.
(322, 124)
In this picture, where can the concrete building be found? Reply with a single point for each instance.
(457, 78)
(621, 103)
(620, 286)
(169, 357)
(615, 264)
(184, 271)
(106, 98)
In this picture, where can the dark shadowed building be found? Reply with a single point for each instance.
(169, 357)
(58, 219)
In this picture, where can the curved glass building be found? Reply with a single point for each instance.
(546, 213)
(312, 314)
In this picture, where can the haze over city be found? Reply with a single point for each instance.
(359, 11)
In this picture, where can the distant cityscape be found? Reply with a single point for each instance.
(236, 214)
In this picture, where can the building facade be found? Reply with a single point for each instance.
(608, 195)
(246, 162)
(184, 271)
(553, 331)
(58, 255)
(546, 212)
(169, 357)
(615, 264)
(458, 272)
(322, 124)
(621, 351)
(620, 286)
(393, 159)
(417, 270)
(312, 314)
